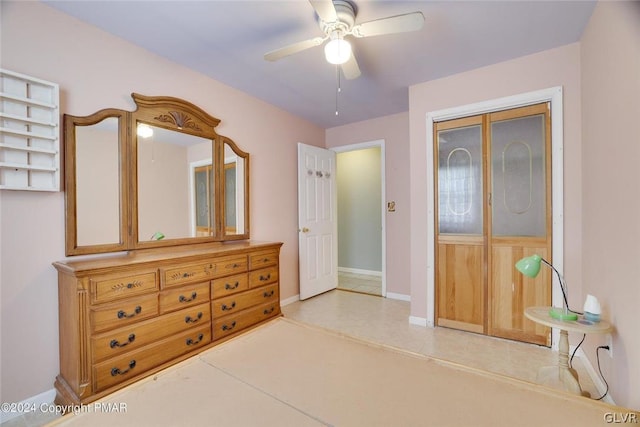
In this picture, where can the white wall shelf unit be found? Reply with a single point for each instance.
(29, 133)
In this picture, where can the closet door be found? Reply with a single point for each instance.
(520, 224)
(494, 207)
(460, 228)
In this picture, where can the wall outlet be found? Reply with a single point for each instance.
(610, 344)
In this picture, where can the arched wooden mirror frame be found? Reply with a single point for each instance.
(165, 114)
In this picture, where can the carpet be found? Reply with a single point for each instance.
(286, 373)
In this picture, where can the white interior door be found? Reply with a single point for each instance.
(317, 220)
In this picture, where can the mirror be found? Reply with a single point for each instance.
(167, 202)
(236, 180)
(157, 176)
(97, 183)
(94, 156)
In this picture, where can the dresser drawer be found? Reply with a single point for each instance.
(233, 323)
(263, 276)
(185, 296)
(198, 272)
(238, 302)
(263, 259)
(109, 288)
(231, 265)
(119, 341)
(133, 363)
(188, 273)
(111, 316)
(229, 285)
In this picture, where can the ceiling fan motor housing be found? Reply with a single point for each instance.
(346, 13)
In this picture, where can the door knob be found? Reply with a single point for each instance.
(304, 230)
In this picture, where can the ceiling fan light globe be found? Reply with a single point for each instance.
(337, 51)
(144, 131)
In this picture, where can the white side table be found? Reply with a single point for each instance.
(566, 376)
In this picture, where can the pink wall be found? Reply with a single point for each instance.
(610, 60)
(96, 70)
(394, 130)
(556, 67)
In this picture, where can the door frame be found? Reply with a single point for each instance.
(363, 146)
(192, 191)
(554, 97)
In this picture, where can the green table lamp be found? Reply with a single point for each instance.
(530, 267)
(158, 235)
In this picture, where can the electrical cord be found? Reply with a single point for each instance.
(576, 349)
(606, 347)
(563, 287)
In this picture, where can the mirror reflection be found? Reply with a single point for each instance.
(175, 184)
(234, 191)
(97, 170)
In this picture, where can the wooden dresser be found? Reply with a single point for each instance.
(124, 317)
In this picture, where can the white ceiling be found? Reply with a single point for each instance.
(227, 40)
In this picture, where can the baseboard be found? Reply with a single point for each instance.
(33, 403)
(420, 321)
(401, 297)
(290, 300)
(359, 271)
(595, 376)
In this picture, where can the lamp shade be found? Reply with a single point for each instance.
(337, 51)
(529, 266)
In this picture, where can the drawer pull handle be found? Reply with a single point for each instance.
(115, 343)
(235, 265)
(129, 285)
(190, 341)
(189, 319)
(269, 310)
(226, 307)
(229, 287)
(123, 315)
(226, 327)
(265, 278)
(117, 371)
(269, 294)
(265, 259)
(185, 299)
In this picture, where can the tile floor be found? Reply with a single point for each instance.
(362, 283)
(385, 321)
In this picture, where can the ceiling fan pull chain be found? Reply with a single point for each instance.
(338, 89)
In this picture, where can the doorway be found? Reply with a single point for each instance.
(361, 216)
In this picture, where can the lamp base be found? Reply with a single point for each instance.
(559, 314)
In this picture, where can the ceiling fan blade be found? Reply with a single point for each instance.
(274, 55)
(350, 68)
(394, 24)
(325, 10)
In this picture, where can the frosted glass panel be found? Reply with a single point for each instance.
(460, 180)
(518, 177)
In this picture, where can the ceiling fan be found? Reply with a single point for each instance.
(337, 20)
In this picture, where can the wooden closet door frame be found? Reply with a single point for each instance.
(555, 96)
